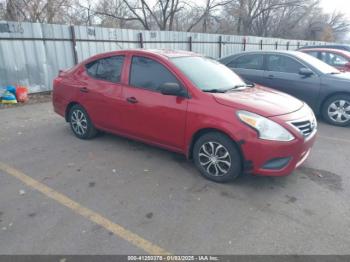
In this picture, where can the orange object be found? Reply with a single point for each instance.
(22, 94)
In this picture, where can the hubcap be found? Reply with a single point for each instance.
(79, 122)
(339, 111)
(214, 158)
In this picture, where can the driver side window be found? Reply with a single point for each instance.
(285, 64)
(149, 74)
(333, 59)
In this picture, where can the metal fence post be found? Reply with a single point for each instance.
(244, 43)
(74, 44)
(141, 39)
(220, 46)
(288, 45)
(190, 43)
(276, 45)
(261, 44)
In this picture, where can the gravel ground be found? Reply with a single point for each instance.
(33, 99)
(161, 197)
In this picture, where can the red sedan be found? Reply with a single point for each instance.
(188, 104)
(334, 57)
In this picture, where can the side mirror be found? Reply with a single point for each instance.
(171, 89)
(305, 72)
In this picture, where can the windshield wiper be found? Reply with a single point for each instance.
(214, 90)
(239, 86)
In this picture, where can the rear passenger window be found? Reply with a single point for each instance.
(247, 62)
(149, 74)
(108, 69)
(281, 63)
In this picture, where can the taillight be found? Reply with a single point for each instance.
(56, 82)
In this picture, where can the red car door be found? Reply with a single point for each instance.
(101, 93)
(148, 114)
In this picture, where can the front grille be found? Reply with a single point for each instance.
(305, 127)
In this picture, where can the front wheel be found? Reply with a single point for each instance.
(216, 157)
(336, 110)
(80, 123)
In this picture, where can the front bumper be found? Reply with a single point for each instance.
(274, 158)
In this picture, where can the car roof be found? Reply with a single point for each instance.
(333, 46)
(164, 53)
(167, 53)
(295, 54)
(340, 51)
(265, 52)
(301, 56)
(274, 51)
(170, 53)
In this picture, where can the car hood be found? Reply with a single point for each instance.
(342, 76)
(260, 100)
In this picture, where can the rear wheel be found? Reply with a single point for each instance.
(217, 157)
(336, 110)
(80, 123)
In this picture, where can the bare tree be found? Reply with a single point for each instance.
(207, 14)
(303, 19)
(114, 13)
(160, 15)
(288, 20)
(43, 11)
(321, 26)
(255, 15)
(168, 14)
(82, 12)
(339, 24)
(12, 12)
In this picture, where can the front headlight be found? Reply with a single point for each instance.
(267, 129)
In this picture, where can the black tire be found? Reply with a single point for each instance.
(86, 130)
(335, 102)
(202, 145)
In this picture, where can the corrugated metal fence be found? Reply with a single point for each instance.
(31, 53)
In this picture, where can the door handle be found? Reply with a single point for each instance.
(132, 100)
(84, 90)
(270, 77)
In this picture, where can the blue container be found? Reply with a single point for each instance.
(8, 98)
(11, 89)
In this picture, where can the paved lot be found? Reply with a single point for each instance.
(160, 196)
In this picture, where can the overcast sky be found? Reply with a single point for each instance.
(339, 5)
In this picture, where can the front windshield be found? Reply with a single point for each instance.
(318, 64)
(208, 74)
